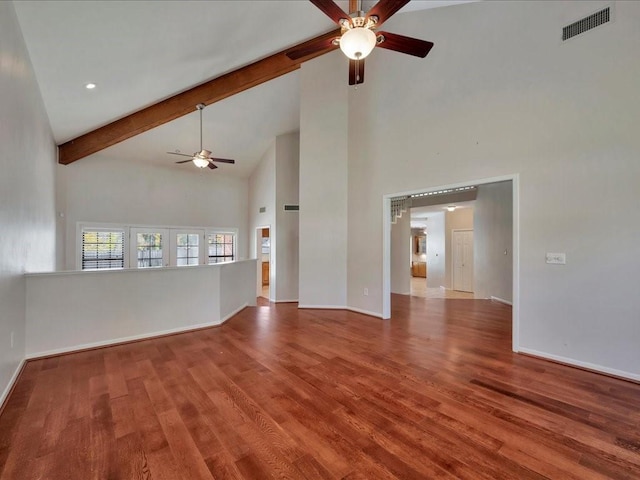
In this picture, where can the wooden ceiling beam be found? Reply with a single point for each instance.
(183, 103)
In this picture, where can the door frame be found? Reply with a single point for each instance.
(453, 256)
(386, 245)
(258, 253)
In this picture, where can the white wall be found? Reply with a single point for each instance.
(323, 182)
(401, 255)
(262, 193)
(436, 250)
(562, 116)
(67, 311)
(459, 219)
(27, 201)
(102, 189)
(493, 241)
(287, 223)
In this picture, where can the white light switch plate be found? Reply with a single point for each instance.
(557, 258)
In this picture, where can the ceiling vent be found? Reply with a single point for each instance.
(587, 23)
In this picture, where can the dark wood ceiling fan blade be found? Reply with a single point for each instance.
(185, 161)
(356, 72)
(311, 47)
(331, 10)
(181, 154)
(402, 44)
(212, 166)
(222, 160)
(385, 9)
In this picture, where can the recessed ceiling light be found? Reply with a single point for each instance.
(90, 86)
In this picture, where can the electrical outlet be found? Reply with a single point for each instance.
(366, 292)
(11, 339)
(556, 258)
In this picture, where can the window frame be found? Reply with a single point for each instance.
(102, 227)
(221, 231)
(173, 245)
(133, 245)
(169, 259)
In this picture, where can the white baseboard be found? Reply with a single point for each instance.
(287, 301)
(586, 365)
(501, 300)
(114, 341)
(235, 312)
(324, 307)
(365, 312)
(342, 307)
(11, 383)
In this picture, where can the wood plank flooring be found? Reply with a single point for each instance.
(419, 289)
(277, 392)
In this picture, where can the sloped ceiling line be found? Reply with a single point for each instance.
(183, 103)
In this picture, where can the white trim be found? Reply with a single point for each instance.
(342, 307)
(115, 341)
(223, 231)
(202, 245)
(104, 227)
(386, 242)
(295, 300)
(366, 312)
(515, 248)
(386, 256)
(577, 363)
(324, 307)
(235, 312)
(258, 252)
(501, 300)
(204, 260)
(12, 381)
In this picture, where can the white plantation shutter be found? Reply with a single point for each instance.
(102, 249)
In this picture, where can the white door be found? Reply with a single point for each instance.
(462, 260)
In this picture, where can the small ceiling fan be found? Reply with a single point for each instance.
(358, 36)
(202, 158)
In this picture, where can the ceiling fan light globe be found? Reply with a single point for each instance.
(200, 162)
(357, 43)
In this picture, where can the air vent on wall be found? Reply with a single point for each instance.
(291, 208)
(263, 209)
(587, 23)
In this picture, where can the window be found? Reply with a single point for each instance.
(102, 249)
(109, 246)
(147, 248)
(221, 247)
(186, 247)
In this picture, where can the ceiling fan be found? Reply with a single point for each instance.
(202, 158)
(358, 36)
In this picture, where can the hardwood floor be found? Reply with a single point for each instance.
(279, 392)
(419, 289)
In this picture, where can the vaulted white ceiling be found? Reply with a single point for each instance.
(139, 52)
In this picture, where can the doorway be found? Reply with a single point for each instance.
(263, 254)
(508, 253)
